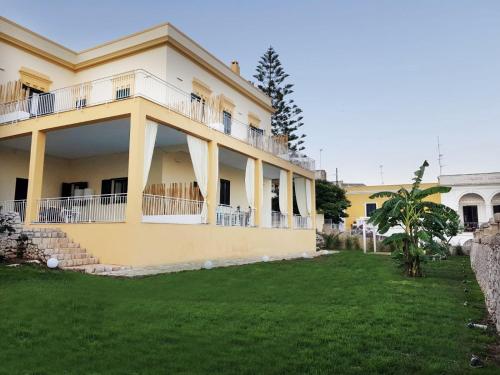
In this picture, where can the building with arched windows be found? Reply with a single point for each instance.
(476, 197)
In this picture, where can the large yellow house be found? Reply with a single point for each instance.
(361, 204)
(146, 150)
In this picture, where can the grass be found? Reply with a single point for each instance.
(347, 314)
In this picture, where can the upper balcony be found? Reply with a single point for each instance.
(140, 83)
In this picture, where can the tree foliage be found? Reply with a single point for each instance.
(425, 224)
(331, 200)
(272, 80)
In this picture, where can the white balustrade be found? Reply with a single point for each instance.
(82, 209)
(302, 222)
(279, 220)
(144, 84)
(18, 206)
(228, 216)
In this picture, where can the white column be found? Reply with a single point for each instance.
(489, 211)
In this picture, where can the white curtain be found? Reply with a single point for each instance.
(300, 195)
(267, 196)
(308, 197)
(198, 149)
(149, 148)
(283, 192)
(250, 182)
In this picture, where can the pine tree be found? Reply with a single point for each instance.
(287, 118)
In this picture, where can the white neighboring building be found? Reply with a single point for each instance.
(476, 197)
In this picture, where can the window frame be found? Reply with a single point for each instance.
(366, 208)
(227, 125)
(112, 189)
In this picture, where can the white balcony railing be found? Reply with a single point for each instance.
(279, 220)
(302, 222)
(18, 206)
(85, 209)
(228, 216)
(302, 160)
(146, 85)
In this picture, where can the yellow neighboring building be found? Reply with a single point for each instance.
(362, 205)
(146, 150)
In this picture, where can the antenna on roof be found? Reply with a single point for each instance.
(381, 173)
(440, 158)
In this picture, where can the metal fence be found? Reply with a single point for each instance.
(82, 209)
(18, 206)
(279, 220)
(234, 217)
(302, 222)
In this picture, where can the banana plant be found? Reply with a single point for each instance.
(422, 222)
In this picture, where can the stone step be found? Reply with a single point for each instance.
(66, 250)
(71, 244)
(52, 234)
(56, 244)
(69, 256)
(96, 268)
(77, 262)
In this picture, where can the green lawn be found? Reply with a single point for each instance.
(346, 314)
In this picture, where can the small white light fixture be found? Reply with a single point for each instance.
(265, 258)
(52, 263)
(305, 255)
(208, 265)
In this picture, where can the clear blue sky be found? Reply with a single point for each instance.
(378, 80)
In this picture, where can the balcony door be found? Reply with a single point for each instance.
(227, 121)
(225, 192)
(471, 217)
(21, 192)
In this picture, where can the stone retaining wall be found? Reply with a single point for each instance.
(485, 261)
(9, 242)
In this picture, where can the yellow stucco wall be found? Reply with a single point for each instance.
(15, 164)
(360, 195)
(145, 244)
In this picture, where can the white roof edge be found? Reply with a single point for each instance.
(468, 174)
(25, 35)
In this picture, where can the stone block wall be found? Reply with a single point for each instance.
(485, 261)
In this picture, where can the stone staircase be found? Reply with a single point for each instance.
(54, 243)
